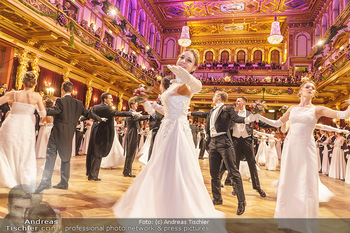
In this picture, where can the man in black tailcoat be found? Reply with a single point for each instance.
(321, 146)
(242, 137)
(102, 135)
(219, 123)
(66, 112)
(154, 124)
(132, 138)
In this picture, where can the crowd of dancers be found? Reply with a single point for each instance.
(170, 146)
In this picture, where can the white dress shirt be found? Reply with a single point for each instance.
(239, 129)
(213, 118)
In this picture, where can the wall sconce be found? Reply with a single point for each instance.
(124, 108)
(74, 92)
(95, 99)
(113, 107)
(49, 90)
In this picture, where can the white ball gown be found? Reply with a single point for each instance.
(260, 157)
(43, 139)
(143, 153)
(17, 147)
(171, 184)
(87, 138)
(271, 154)
(116, 157)
(338, 165)
(298, 186)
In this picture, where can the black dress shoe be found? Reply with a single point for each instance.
(241, 207)
(94, 178)
(261, 192)
(42, 187)
(228, 182)
(217, 202)
(129, 175)
(60, 186)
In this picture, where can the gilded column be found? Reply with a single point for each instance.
(120, 104)
(22, 68)
(88, 94)
(35, 66)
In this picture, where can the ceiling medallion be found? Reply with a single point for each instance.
(185, 40)
(275, 36)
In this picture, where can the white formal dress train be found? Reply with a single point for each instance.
(171, 184)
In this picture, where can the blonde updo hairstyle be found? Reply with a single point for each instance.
(29, 79)
(303, 84)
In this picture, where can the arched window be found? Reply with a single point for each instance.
(169, 49)
(336, 9)
(132, 13)
(209, 56)
(151, 36)
(317, 35)
(301, 50)
(241, 56)
(275, 57)
(257, 56)
(141, 26)
(225, 56)
(324, 25)
(157, 45)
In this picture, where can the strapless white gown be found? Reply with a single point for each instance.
(171, 184)
(17, 147)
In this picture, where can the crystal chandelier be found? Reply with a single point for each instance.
(275, 36)
(185, 40)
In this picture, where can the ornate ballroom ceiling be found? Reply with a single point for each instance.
(242, 15)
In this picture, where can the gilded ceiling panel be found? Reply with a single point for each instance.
(187, 9)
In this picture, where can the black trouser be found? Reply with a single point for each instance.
(78, 138)
(221, 148)
(95, 164)
(130, 156)
(202, 148)
(153, 137)
(51, 155)
(244, 147)
(321, 155)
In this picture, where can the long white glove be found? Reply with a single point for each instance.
(157, 107)
(42, 113)
(344, 114)
(326, 128)
(148, 107)
(250, 118)
(182, 76)
(275, 123)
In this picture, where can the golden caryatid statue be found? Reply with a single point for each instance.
(65, 74)
(23, 59)
(120, 104)
(35, 66)
(88, 94)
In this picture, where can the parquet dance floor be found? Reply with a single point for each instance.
(91, 199)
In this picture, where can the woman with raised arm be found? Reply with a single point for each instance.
(297, 195)
(171, 184)
(17, 135)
